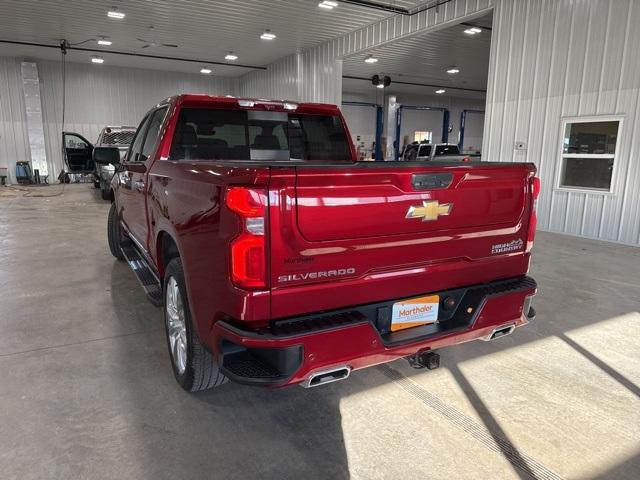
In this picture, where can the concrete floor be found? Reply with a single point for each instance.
(86, 389)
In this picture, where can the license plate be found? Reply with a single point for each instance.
(415, 312)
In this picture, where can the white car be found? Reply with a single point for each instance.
(425, 152)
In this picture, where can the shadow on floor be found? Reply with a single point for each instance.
(232, 431)
(617, 376)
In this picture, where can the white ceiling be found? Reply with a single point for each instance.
(203, 29)
(424, 59)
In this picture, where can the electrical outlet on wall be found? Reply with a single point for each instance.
(520, 145)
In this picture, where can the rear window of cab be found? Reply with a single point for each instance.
(212, 134)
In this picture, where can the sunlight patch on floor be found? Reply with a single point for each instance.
(560, 406)
(568, 401)
(389, 434)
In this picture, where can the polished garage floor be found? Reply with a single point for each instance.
(86, 389)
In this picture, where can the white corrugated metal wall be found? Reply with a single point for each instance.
(96, 96)
(314, 75)
(281, 80)
(103, 95)
(14, 142)
(558, 58)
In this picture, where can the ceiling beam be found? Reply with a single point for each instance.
(393, 9)
(133, 54)
(476, 90)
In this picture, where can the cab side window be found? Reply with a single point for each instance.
(136, 145)
(153, 131)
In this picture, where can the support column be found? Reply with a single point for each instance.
(391, 107)
(35, 124)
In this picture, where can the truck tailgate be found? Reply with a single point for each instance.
(376, 203)
(350, 235)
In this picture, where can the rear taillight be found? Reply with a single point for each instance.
(248, 254)
(535, 188)
(533, 219)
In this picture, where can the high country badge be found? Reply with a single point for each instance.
(512, 246)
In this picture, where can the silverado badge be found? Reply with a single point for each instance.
(429, 210)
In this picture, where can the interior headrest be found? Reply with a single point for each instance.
(187, 136)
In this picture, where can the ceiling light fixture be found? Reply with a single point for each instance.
(268, 35)
(472, 30)
(231, 56)
(440, 91)
(115, 14)
(370, 59)
(453, 70)
(328, 5)
(205, 70)
(104, 41)
(97, 60)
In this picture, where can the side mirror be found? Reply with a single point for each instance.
(106, 155)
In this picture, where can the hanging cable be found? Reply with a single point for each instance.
(63, 53)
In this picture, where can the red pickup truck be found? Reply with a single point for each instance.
(280, 259)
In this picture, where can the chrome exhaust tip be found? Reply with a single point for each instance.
(327, 376)
(502, 331)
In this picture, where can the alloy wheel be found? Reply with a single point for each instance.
(176, 325)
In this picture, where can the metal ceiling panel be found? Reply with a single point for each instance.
(425, 58)
(203, 29)
(317, 70)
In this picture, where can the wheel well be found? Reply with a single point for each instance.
(167, 249)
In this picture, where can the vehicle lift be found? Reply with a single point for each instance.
(379, 123)
(463, 121)
(445, 124)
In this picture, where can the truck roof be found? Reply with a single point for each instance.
(229, 101)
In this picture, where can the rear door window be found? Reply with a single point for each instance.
(209, 134)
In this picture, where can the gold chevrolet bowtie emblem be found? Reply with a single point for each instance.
(430, 210)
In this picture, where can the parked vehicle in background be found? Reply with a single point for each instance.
(119, 137)
(280, 259)
(79, 153)
(424, 152)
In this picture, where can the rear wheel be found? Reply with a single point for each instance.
(193, 366)
(105, 193)
(114, 233)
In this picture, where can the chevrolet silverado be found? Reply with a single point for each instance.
(280, 259)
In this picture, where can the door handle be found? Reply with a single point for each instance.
(138, 185)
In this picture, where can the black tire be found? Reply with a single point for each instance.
(105, 193)
(201, 369)
(114, 233)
